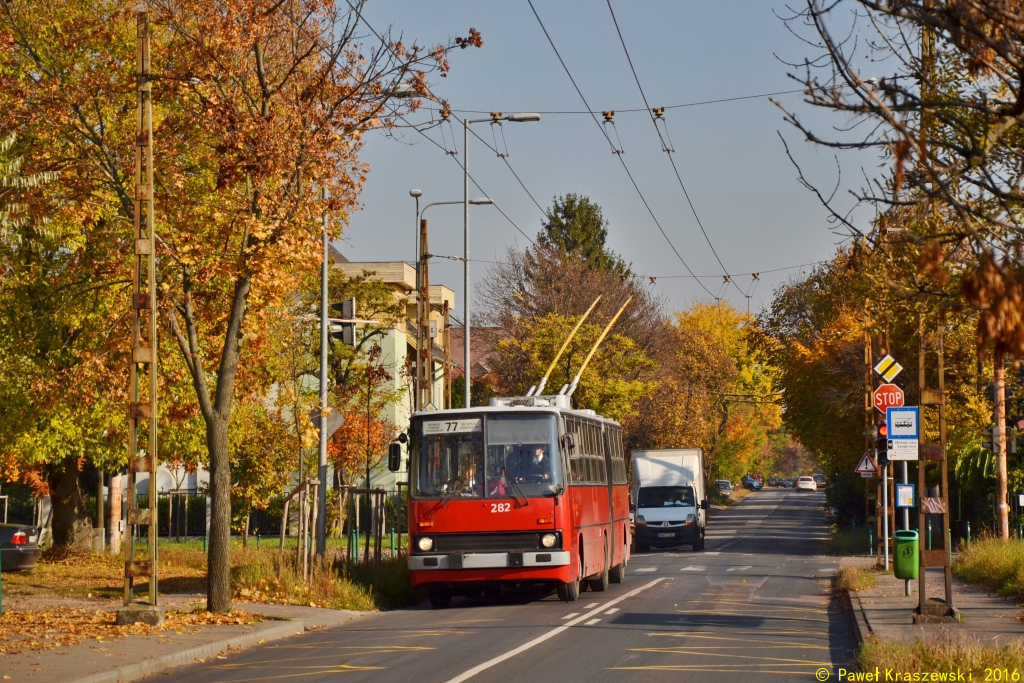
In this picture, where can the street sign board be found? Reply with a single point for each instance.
(866, 466)
(904, 449)
(904, 495)
(333, 422)
(903, 423)
(888, 368)
(888, 396)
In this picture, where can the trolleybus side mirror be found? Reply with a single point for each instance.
(569, 443)
(394, 456)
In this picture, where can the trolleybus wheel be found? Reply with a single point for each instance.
(440, 598)
(570, 592)
(600, 584)
(618, 572)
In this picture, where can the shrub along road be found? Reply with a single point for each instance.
(756, 602)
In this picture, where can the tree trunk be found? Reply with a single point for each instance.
(115, 514)
(218, 572)
(71, 526)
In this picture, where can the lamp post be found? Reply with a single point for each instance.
(495, 117)
(479, 201)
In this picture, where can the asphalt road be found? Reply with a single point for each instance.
(755, 604)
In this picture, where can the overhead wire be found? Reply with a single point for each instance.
(684, 105)
(667, 147)
(612, 145)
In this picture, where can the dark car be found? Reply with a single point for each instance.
(753, 484)
(19, 546)
(777, 483)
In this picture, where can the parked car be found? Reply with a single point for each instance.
(777, 483)
(19, 546)
(753, 484)
(723, 486)
(806, 484)
(830, 514)
(819, 479)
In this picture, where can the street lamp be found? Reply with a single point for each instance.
(479, 201)
(494, 118)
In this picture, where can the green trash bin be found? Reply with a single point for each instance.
(906, 553)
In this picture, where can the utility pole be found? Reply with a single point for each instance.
(321, 501)
(424, 361)
(1002, 511)
(143, 407)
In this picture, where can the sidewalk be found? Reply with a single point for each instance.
(883, 612)
(135, 656)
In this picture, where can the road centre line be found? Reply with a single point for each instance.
(739, 569)
(694, 568)
(550, 634)
(646, 569)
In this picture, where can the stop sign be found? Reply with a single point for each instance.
(888, 396)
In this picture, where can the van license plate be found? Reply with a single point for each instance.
(669, 535)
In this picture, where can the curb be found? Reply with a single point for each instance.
(861, 627)
(130, 672)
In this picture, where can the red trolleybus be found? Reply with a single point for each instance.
(526, 490)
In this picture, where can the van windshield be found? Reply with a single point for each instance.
(666, 496)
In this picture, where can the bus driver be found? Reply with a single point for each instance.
(533, 468)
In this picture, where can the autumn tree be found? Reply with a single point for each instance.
(259, 107)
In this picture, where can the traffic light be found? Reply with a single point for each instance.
(989, 436)
(345, 331)
(882, 446)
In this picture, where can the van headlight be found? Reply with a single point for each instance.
(425, 544)
(548, 540)
(691, 519)
(640, 521)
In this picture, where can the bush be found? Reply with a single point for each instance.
(853, 579)
(995, 563)
(919, 656)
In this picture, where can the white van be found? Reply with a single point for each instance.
(669, 500)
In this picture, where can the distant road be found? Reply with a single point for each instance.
(753, 606)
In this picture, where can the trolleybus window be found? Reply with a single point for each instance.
(451, 458)
(522, 457)
(524, 448)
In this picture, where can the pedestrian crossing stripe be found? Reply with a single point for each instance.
(888, 368)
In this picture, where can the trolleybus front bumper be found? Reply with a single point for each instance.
(547, 558)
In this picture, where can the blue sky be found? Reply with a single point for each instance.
(729, 155)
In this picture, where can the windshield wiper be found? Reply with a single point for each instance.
(526, 501)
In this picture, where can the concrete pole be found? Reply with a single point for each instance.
(321, 499)
(466, 294)
(1002, 511)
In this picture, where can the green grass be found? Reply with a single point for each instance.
(994, 563)
(939, 657)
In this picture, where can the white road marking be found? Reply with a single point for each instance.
(591, 622)
(613, 610)
(646, 569)
(712, 552)
(593, 604)
(738, 569)
(550, 634)
(570, 615)
(694, 568)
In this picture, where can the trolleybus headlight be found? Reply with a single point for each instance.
(426, 544)
(548, 540)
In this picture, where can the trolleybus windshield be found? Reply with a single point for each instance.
(522, 456)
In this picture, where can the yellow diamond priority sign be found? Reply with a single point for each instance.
(888, 368)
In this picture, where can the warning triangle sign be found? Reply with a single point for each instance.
(866, 465)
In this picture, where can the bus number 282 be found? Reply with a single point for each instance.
(501, 507)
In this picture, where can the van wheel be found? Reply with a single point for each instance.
(440, 598)
(698, 545)
(570, 592)
(643, 547)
